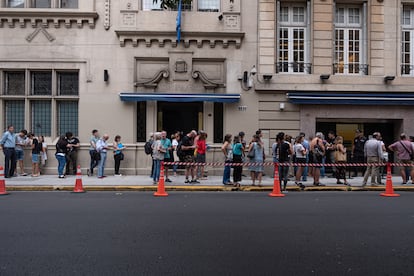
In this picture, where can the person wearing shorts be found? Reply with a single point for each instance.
(36, 149)
(21, 143)
(187, 146)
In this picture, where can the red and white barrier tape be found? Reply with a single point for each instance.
(247, 164)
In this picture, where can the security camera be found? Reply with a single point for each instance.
(253, 71)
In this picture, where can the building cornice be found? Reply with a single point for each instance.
(161, 37)
(46, 18)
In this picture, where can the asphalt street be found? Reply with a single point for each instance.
(216, 233)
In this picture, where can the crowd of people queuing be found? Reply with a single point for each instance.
(292, 155)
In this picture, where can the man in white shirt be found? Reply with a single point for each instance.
(102, 147)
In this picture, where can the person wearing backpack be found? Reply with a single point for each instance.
(148, 151)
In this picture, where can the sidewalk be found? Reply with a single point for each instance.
(213, 183)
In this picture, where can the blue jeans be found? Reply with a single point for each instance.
(101, 165)
(305, 169)
(226, 173)
(157, 169)
(61, 164)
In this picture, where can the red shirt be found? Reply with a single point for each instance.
(201, 146)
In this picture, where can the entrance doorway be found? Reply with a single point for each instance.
(184, 117)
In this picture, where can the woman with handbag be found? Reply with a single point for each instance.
(340, 159)
(256, 155)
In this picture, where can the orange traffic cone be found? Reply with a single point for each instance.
(161, 184)
(276, 183)
(389, 190)
(2, 183)
(78, 183)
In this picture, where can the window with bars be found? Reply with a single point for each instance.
(68, 117)
(68, 83)
(41, 83)
(348, 41)
(292, 48)
(41, 117)
(41, 100)
(14, 83)
(209, 5)
(407, 38)
(15, 3)
(14, 113)
(149, 5)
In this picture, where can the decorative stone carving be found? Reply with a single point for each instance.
(39, 29)
(153, 83)
(208, 84)
(107, 14)
(199, 39)
(47, 19)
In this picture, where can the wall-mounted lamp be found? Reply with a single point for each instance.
(388, 78)
(267, 77)
(106, 75)
(247, 78)
(324, 77)
(220, 17)
(282, 106)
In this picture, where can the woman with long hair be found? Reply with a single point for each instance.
(256, 167)
(340, 159)
(227, 150)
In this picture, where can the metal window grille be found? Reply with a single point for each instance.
(209, 5)
(41, 4)
(41, 119)
(14, 83)
(68, 83)
(15, 3)
(68, 117)
(149, 5)
(41, 83)
(14, 114)
(69, 4)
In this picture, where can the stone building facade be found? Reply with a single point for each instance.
(116, 66)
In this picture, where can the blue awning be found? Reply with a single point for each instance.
(352, 98)
(173, 97)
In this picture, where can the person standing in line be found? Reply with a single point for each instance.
(93, 153)
(36, 147)
(102, 147)
(238, 150)
(8, 145)
(43, 153)
(118, 154)
(201, 149)
(72, 156)
(61, 150)
(158, 152)
(168, 157)
(373, 153)
(357, 154)
(318, 151)
(188, 147)
(244, 143)
(21, 143)
(227, 150)
(405, 154)
(340, 159)
(300, 153)
(306, 145)
(281, 152)
(175, 140)
(256, 167)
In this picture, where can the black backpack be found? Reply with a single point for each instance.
(180, 152)
(148, 147)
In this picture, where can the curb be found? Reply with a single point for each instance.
(205, 188)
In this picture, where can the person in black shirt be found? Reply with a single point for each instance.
(188, 147)
(61, 151)
(72, 155)
(281, 151)
(358, 151)
(36, 149)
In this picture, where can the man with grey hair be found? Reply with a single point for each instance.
(102, 147)
(405, 154)
(373, 153)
